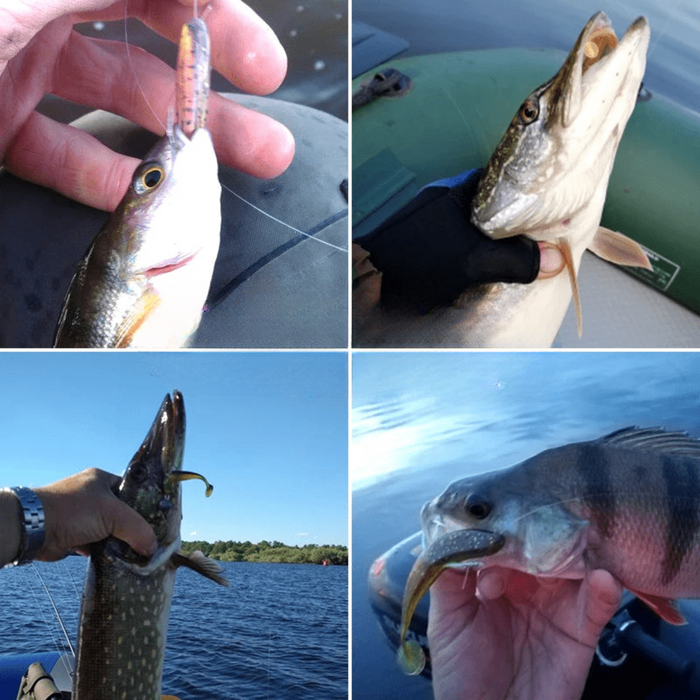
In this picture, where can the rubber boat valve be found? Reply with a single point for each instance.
(386, 83)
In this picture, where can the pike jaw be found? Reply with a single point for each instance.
(548, 176)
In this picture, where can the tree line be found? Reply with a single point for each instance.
(272, 552)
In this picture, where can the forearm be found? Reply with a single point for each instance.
(10, 527)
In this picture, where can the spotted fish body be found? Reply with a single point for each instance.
(628, 502)
(126, 598)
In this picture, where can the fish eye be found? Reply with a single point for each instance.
(149, 178)
(138, 472)
(477, 506)
(529, 111)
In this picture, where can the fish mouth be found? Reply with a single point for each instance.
(598, 65)
(169, 265)
(441, 528)
(164, 445)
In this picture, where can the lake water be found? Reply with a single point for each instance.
(421, 420)
(458, 25)
(280, 631)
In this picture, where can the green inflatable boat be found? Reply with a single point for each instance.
(439, 115)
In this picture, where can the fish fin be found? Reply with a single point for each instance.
(617, 248)
(663, 607)
(571, 269)
(656, 439)
(138, 315)
(202, 565)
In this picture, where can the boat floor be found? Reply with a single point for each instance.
(620, 311)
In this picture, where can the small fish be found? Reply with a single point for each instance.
(126, 598)
(547, 179)
(628, 502)
(144, 280)
(457, 546)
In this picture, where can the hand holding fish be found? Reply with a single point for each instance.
(40, 54)
(79, 510)
(507, 635)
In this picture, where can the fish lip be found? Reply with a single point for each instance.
(168, 266)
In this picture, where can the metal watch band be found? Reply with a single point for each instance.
(33, 524)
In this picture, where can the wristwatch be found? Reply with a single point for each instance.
(33, 524)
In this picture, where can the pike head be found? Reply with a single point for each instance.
(150, 485)
(548, 176)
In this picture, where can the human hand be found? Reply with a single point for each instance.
(40, 53)
(506, 635)
(429, 253)
(82, 509)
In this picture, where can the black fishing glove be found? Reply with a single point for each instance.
(429, 252)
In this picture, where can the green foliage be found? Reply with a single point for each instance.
(274, 552)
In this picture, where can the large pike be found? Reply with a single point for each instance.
(628, 502)
(126, 599)
(144, 280)
(547, 179)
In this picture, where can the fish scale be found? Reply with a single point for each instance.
(628, 502)
(127, 623)
(126, 598)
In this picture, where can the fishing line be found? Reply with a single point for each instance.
(50, 627)
(279, 221)
(131, 64)
(55, 609)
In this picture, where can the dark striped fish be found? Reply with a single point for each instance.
(126, 599)
(628, 502)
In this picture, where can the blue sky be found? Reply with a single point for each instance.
(268, 430)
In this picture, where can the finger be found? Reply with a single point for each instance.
(604, 598)
(243, 47)
(126, 524)
(249, 141)
(20, 21)
(492, 583)
(551, 260)
(452, 590)
(101, 74)
(69, 161)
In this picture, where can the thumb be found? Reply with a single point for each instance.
(127, 525)
(604, 597)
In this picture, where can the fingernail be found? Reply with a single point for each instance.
(551, 259)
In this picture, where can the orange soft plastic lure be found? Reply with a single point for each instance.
(193, 75)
